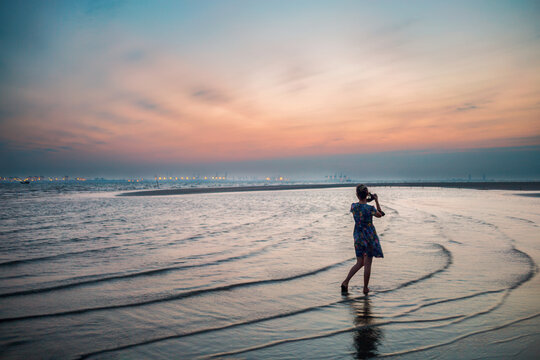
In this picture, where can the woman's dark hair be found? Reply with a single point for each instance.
(361, 191)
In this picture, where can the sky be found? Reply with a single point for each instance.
(393, 89)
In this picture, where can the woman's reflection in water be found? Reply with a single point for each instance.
(366, 336)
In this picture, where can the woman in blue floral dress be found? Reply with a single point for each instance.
(366, 241)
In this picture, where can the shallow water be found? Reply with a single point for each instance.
(256, 275)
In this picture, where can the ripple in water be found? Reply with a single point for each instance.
(258, 274)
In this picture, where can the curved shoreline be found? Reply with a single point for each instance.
(518, 186)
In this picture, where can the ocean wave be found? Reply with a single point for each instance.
(533, 268)
(356, 328)
(448, 263)
(442, 301)
(271, 317)
(176, 296)
(319, 336)
(151, 272)
(459, 338)
(131, 275)
(530, 222)
(56, 256)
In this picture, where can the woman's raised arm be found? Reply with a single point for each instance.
(379, 212)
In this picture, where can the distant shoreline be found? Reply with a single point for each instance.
(500, 185)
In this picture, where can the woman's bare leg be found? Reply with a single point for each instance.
(367, 272)
(354, 270)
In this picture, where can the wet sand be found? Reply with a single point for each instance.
(524, 186)
(530, 194)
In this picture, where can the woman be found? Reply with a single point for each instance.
(366, 241)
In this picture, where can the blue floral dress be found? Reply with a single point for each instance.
(366, 240)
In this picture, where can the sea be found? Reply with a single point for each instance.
(87, 274)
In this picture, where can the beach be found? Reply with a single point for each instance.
(501, 185)
(182, 180)
(256, 274)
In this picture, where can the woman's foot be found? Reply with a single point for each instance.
(366, 290)
(344, 288)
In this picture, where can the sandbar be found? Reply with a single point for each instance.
(487, 185)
